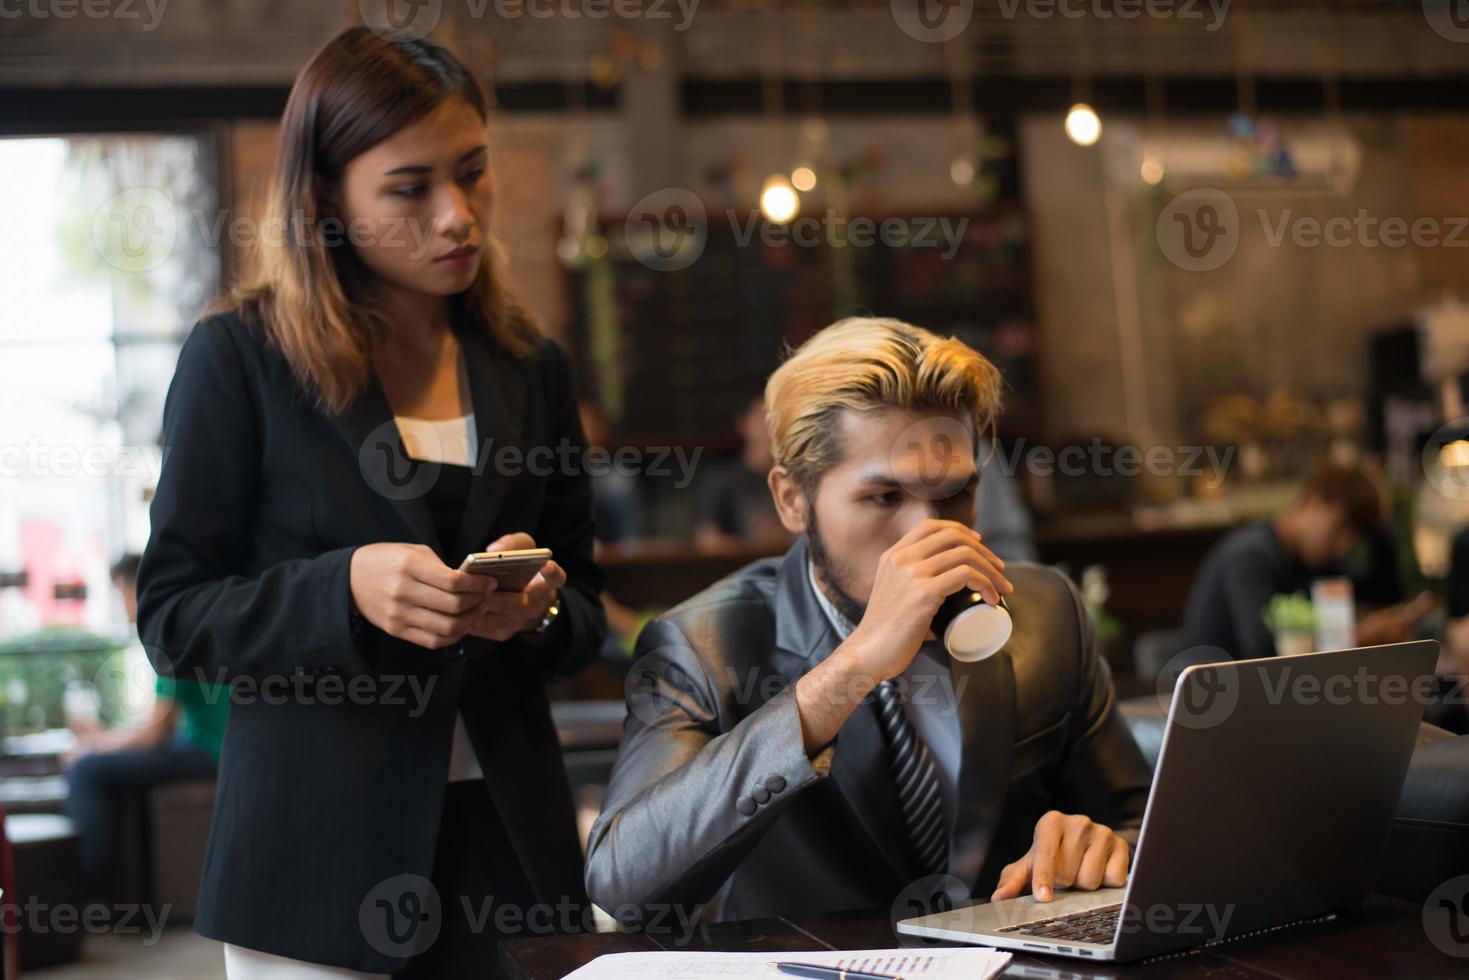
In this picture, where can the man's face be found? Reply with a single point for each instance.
(1325, 536)
(898, 470)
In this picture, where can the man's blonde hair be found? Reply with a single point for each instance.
(866, 364)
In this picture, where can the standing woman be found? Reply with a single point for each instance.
(340, 432)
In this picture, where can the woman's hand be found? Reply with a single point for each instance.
(407, 592)
(508, 613)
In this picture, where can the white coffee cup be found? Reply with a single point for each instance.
(972, 629)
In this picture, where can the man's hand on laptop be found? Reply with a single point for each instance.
(1069, 851)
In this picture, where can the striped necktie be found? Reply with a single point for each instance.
(917, 781)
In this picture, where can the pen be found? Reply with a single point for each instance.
(814, 972)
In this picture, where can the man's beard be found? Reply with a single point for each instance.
(829, 573)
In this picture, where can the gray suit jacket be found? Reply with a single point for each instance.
(713, 800)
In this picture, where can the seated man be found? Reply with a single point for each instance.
(176, 740)
(734, 509)
(1338, 509)
(770, 762)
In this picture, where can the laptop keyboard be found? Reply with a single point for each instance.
(1097, 925)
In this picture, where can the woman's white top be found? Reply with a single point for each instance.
(450, 441)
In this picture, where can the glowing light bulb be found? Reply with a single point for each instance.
(1151, 170)
(778, 201)
(1083, 125)
(1455, 453)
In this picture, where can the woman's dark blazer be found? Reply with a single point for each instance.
(335, 758)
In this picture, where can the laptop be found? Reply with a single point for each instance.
(1271, 804)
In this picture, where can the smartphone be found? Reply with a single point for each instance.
(513, 570)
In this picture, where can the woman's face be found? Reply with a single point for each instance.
(417, 206)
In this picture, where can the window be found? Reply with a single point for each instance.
(112, 253)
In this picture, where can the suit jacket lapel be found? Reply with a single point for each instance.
(985, 692)
(860, 766)
(398, 484)
(498, 393)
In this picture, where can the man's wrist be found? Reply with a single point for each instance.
(830, 692)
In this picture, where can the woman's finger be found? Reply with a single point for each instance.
(435, 574)
(416, 593)
(493, 626)
(506, 604)
(448, 628)
(514, 541)
(551, 575)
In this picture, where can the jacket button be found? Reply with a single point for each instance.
(761, 794)
(746, 806)
(775, 783)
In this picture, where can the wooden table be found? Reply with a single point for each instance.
(1383, 939)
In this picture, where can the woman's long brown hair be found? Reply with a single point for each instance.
(309, 294)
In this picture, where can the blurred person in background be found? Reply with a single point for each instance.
(617, 514)
(1450, 708)
(1003, 519)
(1338, 512)
(617, 508)
(735, 512)
(177, 739)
